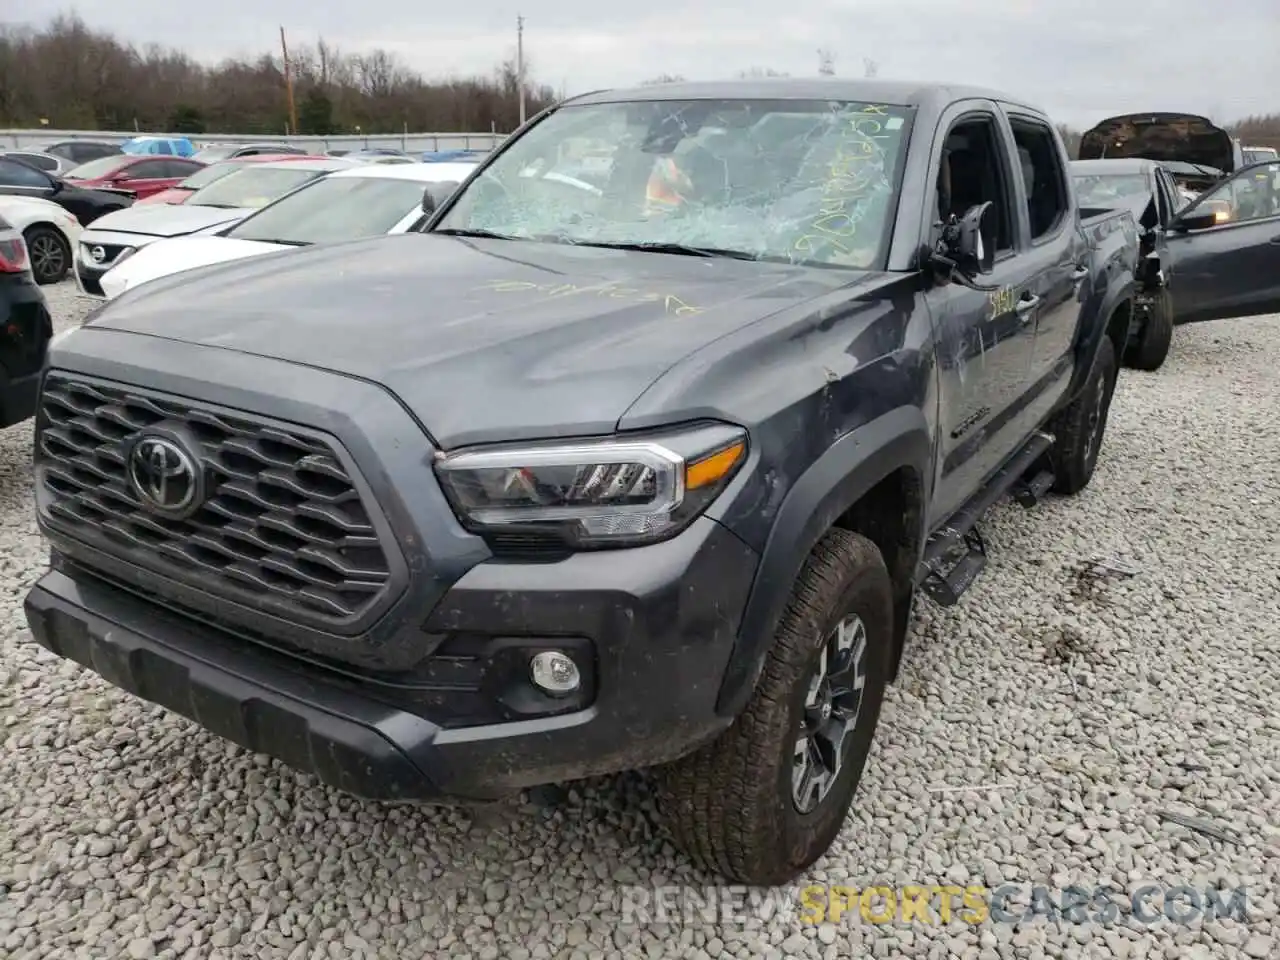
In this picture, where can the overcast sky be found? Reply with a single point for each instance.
(1080, 59)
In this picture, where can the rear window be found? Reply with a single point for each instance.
(332, 210)
(1101, 191)
(213, 154)
(103, 166)
(251, 186)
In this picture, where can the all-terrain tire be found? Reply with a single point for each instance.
(1079, 428)
(730, 806)
(1151, 349)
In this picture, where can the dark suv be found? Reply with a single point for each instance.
(25, 329)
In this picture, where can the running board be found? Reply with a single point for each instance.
(956, 554)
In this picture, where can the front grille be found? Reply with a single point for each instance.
(284, 530)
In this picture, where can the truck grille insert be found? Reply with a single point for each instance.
(284, 529)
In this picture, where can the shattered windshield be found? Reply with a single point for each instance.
(796, 181)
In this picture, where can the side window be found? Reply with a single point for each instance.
(14, 174)
(179, 169)
(150, 170)
(1042, 175)
(1251, 195)
(973, 171)
(40, 161)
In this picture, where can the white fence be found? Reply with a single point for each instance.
(408, 142)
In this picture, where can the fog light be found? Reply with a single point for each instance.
(554, 673)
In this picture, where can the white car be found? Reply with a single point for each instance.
(113, 238)
(363, 201)
(51, 234)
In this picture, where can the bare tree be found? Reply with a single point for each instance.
(662, 78)
(869, 67)
(826, 63)
(758, 73)
(72, 76)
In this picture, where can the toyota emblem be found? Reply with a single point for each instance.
(97, 254)
(165, 477)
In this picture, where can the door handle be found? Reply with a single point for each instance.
(1025, 306)
(1079, 273)
(1275, 239)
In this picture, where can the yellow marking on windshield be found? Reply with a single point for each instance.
(850, 179)
(671, 304)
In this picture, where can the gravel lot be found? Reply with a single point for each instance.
(1078, 707)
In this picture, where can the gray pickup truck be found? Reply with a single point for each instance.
(583, 478)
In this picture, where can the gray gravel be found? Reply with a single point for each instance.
(1066, 711)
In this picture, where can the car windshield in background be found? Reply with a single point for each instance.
(210, 174)
(251, 186)
(1100, 191)
(794, 181)
(213, 154)
(332, 210)
(103, 166)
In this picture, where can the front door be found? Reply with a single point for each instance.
(1231, 267)
(984, 337)
(145, 178)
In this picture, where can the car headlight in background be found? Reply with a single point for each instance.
(617, 492)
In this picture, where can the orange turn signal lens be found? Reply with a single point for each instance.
(711, 470)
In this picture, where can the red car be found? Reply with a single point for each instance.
(137, 176)
(216, 171)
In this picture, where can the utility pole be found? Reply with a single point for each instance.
(520, 63)
(826, 63)
(288, 84)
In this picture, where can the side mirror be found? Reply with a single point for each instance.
(428, 202)
(1197, 221)
(968, 243)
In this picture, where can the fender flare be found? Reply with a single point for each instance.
(844, 473)
(1087, 351)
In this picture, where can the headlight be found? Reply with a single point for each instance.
(596, 493)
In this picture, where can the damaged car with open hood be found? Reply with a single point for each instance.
(1193, 149)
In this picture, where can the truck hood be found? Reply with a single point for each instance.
(1164, 137)
(165, 257)
(168, 220)
(481, 339)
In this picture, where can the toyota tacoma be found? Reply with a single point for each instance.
(589, 477)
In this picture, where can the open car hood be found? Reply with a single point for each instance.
(1165, 137)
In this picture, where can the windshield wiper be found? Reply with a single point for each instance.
(482, 234)
(683, 249)
(283, 243)
(216, 206)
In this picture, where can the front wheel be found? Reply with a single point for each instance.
(49, 252)
(768, 797)
(1079, 428)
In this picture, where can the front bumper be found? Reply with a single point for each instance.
(429, 695)
(653, 629)
(89, 279)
